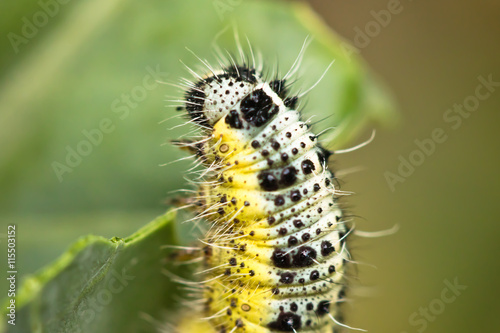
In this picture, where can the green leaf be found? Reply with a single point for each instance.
(102, 285)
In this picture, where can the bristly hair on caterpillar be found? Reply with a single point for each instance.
(274, 253)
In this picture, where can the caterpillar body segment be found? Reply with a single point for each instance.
(275, 254)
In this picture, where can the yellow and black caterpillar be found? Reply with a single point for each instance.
(275, 253)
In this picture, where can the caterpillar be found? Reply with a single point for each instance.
(275, 253)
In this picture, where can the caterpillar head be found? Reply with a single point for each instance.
(214, 95)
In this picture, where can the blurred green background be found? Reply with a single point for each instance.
(74, 71)
(430, 54)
